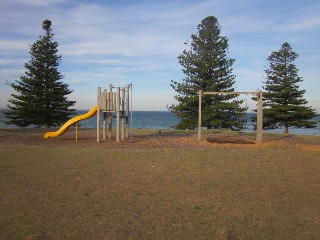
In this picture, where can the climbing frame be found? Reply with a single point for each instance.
(113, 104)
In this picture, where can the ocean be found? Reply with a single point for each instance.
(167, 120)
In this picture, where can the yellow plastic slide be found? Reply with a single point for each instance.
(70, 122)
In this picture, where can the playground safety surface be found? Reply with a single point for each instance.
(153, 139)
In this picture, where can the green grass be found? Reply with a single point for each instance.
(95, 193)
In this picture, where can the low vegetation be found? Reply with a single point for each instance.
(148, 189)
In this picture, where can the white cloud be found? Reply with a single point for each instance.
(42, 3)
(5, 61)
(9, 46)
(310, 22)
(139, 42)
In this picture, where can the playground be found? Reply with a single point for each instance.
(118, 104)
(167, 139)
(110, 104)
(109, 183)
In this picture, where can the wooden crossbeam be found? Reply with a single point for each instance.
(207, 93)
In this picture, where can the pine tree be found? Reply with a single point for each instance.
(284, 105)
(207, 68)
(41, 95)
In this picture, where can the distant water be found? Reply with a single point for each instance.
(167, 120)
(141, 119)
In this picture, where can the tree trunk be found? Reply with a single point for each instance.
(286, 129)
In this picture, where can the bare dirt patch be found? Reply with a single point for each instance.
(152, 139)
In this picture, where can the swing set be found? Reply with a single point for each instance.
(259, 110)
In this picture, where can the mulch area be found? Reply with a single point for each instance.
(155, 140)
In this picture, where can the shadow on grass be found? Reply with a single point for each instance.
(7, 135)
(229, 140)
(244, 138)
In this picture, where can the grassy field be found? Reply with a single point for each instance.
(218, 192)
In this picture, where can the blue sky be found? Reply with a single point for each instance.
(138, 42)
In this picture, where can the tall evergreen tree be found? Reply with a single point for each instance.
(207, 68)
(284, 105)
(41, 95)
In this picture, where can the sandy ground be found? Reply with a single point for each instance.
(152, 139)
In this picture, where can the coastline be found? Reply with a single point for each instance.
(165, 120)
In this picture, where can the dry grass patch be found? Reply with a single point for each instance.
(216, 192)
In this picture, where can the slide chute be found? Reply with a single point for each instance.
(70, 122)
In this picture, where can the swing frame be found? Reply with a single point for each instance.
(259, 110)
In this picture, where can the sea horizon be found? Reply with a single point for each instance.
(166, 120)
